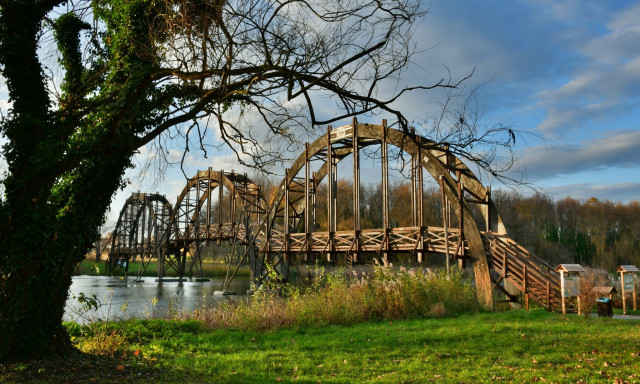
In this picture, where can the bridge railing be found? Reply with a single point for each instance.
(214, 232)
(404, 239)
(530, 274)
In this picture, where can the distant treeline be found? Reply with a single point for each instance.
(590, 232)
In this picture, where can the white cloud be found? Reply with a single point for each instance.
(606, 83)
(619, 192)
(618, 150)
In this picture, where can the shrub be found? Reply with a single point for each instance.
(103, 341)
(590, 278)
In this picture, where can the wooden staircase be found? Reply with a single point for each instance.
(531, 275)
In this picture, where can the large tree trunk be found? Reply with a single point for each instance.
(33, 297)
(35, 275)
(48, 219)
(53, 204)
(39, 247)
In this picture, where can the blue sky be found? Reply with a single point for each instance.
(566, 71)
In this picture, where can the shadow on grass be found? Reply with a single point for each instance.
(78, 367)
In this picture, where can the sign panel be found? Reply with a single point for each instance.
(628, 281)
(571, 286)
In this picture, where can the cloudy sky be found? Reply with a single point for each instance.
(567, 72)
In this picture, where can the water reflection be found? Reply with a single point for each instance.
(123, 298)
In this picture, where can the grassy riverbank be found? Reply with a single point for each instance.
(515, 346)
(209, 269)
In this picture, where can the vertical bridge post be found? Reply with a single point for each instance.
(331, 227)
(385, 190)
(307, 207)
(356, 190)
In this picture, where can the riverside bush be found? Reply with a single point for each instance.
(387, 293)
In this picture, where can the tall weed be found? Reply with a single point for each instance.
(340, 298)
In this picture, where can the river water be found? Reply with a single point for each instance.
(122, 298)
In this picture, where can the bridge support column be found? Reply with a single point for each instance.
(484, 287)
(256, 266)
(514, 292)
(478, 260)
(182, 262)
(161, 256)
(282, 267)
(196, 262)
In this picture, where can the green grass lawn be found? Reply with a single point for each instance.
(515, 346)
(618, 311)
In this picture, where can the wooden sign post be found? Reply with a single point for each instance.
(628, 284)
(570, 283)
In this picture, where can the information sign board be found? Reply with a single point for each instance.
(628, 281)
(571, 286)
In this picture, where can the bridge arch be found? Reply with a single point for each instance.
(141, 225)
(214, 206)
(459, 185)
(148, 226)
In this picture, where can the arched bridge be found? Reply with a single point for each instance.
(285, 231)
(143, 220)
(213, 207)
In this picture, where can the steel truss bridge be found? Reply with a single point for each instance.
(217, 206)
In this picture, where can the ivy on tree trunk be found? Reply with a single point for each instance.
(61, 176)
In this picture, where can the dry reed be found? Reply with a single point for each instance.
(388, 293)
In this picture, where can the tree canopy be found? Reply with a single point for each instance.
(129, 72)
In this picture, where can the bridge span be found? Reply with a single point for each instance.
(217, 206)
